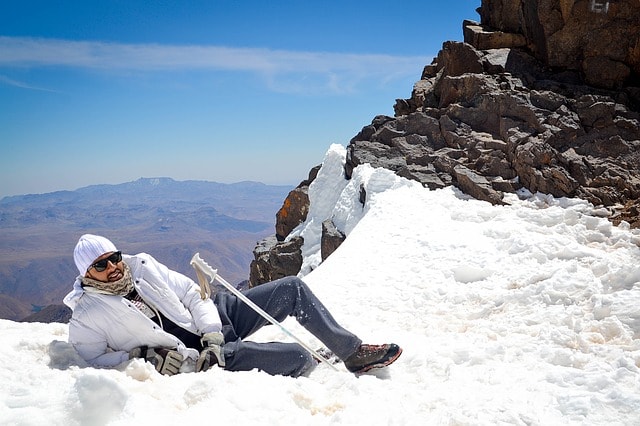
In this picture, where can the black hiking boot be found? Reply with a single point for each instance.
(372, 356)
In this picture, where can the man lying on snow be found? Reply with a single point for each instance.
(128, 307)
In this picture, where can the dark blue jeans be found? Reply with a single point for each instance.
(281, 298)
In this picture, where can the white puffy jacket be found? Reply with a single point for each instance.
(104, 328)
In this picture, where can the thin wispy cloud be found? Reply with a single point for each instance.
(337, 70)
(15, 83)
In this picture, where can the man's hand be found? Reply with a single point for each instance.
(166, 361)
(212, 352)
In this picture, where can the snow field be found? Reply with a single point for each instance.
(524, 314)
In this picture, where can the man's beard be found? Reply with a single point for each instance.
(121, 287)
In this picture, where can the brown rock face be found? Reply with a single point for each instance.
(596, 37)
(293, 212)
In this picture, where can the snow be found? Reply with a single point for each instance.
(525, 314)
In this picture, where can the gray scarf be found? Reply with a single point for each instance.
(122, 287)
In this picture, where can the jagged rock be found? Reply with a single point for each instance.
(273, 260)
(313, 173)
(374, 153)
(295, 208)
(458, 58)
(362, 195)
(482, 38)
(629, 213)
(505, 15)
(475, 185)
(427, 175)
(331, 239)
(293, 212)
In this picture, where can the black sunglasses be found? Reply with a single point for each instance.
(102, 264)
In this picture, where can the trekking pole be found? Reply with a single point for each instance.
(202, 268)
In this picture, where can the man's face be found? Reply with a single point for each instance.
(112, 272)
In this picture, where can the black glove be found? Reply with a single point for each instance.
(212, 352)
(166, 361)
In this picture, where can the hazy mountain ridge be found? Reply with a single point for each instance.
(169, 219)
(232, 199)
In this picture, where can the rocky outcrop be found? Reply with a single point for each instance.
(542, 95)
(506, 128)
(511, 106)
(273, 256)
(275, 260)
(295, 207)
(331, 239)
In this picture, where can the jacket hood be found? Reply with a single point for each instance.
(71, 299)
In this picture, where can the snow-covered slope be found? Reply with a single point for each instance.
(520, 314)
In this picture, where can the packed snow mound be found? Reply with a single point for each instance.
(527, 313)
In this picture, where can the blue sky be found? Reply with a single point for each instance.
(223, 90)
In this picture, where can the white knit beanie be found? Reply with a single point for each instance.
(89, 248)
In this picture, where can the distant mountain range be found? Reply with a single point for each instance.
(171, 220)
